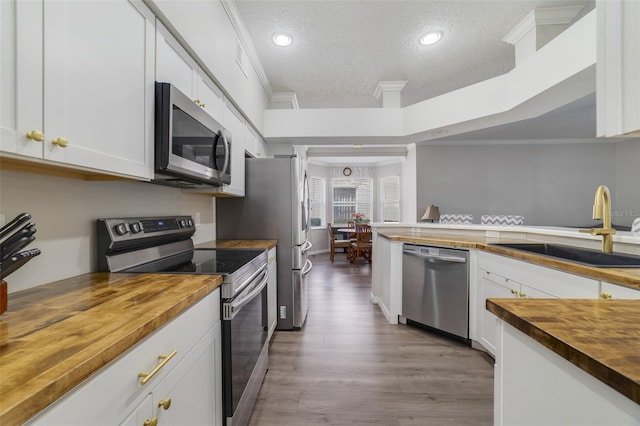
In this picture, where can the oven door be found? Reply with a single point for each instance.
(244, 350)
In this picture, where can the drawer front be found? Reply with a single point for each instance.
(547, 280)
(115, 390)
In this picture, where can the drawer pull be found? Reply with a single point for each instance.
(165, 403)
(522, 294)
(61, 142)
(605, 295)
(151, 422)
(514, 291)
(147, 376)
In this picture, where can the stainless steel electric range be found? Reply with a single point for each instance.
(164, 245)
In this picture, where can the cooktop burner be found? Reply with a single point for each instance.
(217, 261)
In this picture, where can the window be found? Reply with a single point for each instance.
(317, 201)
(351, 196)
(390, 198)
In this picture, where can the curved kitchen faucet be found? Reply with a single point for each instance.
(602, 210)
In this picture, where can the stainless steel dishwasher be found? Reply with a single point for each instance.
(435, 288)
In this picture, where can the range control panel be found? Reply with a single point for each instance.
(139, 229)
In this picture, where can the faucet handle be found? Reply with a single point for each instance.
(598, 231)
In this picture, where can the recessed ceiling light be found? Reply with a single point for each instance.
(431, 38)
(282, 39)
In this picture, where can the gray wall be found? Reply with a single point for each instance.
(548, 184)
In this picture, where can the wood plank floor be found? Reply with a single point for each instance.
(348, 366)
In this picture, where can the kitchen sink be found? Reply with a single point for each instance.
(583, 256)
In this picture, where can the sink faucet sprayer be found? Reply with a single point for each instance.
(602, 210)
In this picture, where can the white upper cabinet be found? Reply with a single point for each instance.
(618, 68)
(174, 65)
(236, 125)
(253, 144)
(83, 84)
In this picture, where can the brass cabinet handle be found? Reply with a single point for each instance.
(199, 103)
(522, 294)
(35, 135)
(152, 422)
(165, 403)
(61, 142)
(514, 291)
(165, 358)
(605, 295)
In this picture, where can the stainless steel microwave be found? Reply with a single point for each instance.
(192, 150)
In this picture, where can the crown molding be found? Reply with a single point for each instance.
(543, 16)
(388, 86)
(288, 97)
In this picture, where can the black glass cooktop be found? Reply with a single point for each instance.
(209, 261)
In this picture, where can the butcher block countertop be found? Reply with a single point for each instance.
(629, 277)
(240, 244)
(602, 337)
(54, 336)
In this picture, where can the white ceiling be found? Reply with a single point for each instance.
(342, 48)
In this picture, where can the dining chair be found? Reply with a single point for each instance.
(362, 246)
(336, 243)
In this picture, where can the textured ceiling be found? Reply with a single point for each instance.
(341, 49)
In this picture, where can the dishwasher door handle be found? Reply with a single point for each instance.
(454, 259)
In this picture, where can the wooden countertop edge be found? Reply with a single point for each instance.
(607, 375)
(239, 244)
(620, 276)
(76, 372)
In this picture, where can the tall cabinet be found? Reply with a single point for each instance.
(81, 92)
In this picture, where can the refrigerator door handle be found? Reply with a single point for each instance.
(308, 266)
(306, 246)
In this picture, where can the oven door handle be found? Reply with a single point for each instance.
(232, 309)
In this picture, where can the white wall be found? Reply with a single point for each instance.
(65, 210)
(549, 184)
(409, 188)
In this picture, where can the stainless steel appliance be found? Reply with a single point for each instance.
(435, 288)
(192, 149)
(275, 206)
(164, 245)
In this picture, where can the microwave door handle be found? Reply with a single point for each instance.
(214, 148)
(227, 152)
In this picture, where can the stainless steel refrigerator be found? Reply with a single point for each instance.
(275, 207)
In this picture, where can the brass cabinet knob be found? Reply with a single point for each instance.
(522, 294)
(199, 103)
(514, 291)
(605, 295)
(165, 403)
(61, 142)
(151, 422)
(35, 135)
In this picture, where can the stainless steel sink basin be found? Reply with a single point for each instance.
(583, 256)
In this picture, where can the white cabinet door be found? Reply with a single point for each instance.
(173, 63)
(618, 67)
(492, 286)
(613, 291)
(190, 394)
(210, 97)
(21, 77)
(272, 292)
(142, 415)
(99, 85)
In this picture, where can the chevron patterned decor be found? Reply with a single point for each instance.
(457, 219)
(501, 220)
(635, 227)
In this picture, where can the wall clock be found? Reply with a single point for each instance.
(346, 171)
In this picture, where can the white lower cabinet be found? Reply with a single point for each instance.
(535, 386)
(614, 291)
(272, 292)
(502, 277)
(185, 387)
